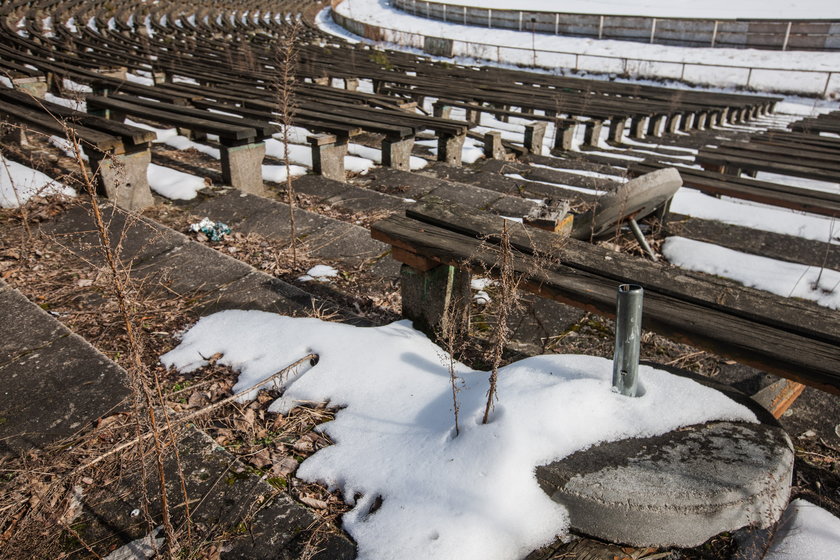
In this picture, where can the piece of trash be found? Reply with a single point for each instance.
(481, 298)
(143, 548)
(135, 512)
(214, 231)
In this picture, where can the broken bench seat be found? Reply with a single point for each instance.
(745, 188)
(440, 245)
(119, 154)
(241, 139)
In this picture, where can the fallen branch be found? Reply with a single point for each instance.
(198, 413)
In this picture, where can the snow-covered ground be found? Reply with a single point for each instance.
(19, 183)
(814, 73)
(806, 532)
(710, 9)
(470, 495)
(778, 277)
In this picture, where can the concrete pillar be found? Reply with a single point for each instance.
(493, 148)
(617, 129)
(427, 294)
(655, 125)
(441, 110)
(673, 122)
(123, 178)
(724, 115)
(564, 134)
(160, 78)
(534, 134)
(322, 81)
(118, 72)
(328, 153)
(638, 126)
(592, 132)
(700, 120)
(450, 147)
(501, 118)
(474, 116)
(242, 167)
(35, 86)
(351, 84)
(687, 121)
(396, 152)
(194, 135)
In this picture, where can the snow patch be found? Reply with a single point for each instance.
(19, 183)
(473, 496)
(782, 278)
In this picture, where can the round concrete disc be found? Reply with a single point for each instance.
(677, 489)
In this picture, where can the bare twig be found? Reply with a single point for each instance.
(196, 414)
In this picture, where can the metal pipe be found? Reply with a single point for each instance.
(628, 332)
(640, 237)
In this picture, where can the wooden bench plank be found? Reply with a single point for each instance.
(226, 132)
(791, 355)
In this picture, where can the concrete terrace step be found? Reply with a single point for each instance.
(55, 384)
(417, 185)
(260, 522)
(226, 493)
(325, 237)
(164, 260)
(757, 242)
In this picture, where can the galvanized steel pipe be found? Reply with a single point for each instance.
(628, 332)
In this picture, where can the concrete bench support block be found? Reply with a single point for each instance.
(655, 125)
(474, 116)
(328, 153)
(35, 86)
(687, 121)
(396, 152)
(617, 129)
(673, 123)
(638, 126)
(592, 133)
(441, 110)
(123, 178)
(564, 135)
(493, 148)
(242, 167)
(450, 147)
(678, 489)
(501, 107)
(534, 134)
(351, 84)
(700, 120)
(427, 294)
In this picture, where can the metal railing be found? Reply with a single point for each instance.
(823, 35)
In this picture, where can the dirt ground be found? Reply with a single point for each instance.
(37, 488)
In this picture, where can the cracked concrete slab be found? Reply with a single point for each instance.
(54, 383)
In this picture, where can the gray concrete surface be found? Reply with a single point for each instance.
(54, 383)
(678, 489)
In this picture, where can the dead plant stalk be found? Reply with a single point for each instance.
(508, 284)
(286, 60)
(120, 287)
